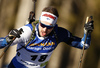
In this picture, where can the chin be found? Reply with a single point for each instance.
(43, 35)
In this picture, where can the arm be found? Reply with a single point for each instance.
(13, 34)
(24, 37)
(66, 36)
(79, 42)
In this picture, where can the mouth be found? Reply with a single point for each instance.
(43, 34)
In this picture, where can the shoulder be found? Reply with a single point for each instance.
(27, 31)
(63, 34)
(62, 31)
(26, 28)
(29, 25)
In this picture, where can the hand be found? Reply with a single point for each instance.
(89, 27)
(14, 34)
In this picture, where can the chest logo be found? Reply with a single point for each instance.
(43, 44)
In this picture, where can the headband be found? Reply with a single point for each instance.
(48, 17)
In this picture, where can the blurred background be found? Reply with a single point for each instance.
(72, 16)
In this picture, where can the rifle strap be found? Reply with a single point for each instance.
(32, 35)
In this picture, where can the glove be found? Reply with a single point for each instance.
(89, 27)
(14, 34)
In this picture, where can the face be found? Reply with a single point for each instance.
(45, 28)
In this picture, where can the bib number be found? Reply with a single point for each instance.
(42, 57)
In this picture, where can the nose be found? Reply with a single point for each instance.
(45, 29)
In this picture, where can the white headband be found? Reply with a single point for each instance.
(48, 17)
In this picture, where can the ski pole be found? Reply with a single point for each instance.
(21, 30)
(88, 19)
(5, 49)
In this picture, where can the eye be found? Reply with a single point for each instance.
(42, 25)
(47, 26)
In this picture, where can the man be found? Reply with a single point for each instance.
(47, 35)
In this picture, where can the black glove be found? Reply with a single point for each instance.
(14, 34)
(89, 26)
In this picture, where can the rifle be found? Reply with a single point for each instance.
(32, 14)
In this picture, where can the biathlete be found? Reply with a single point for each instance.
(47, 35)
